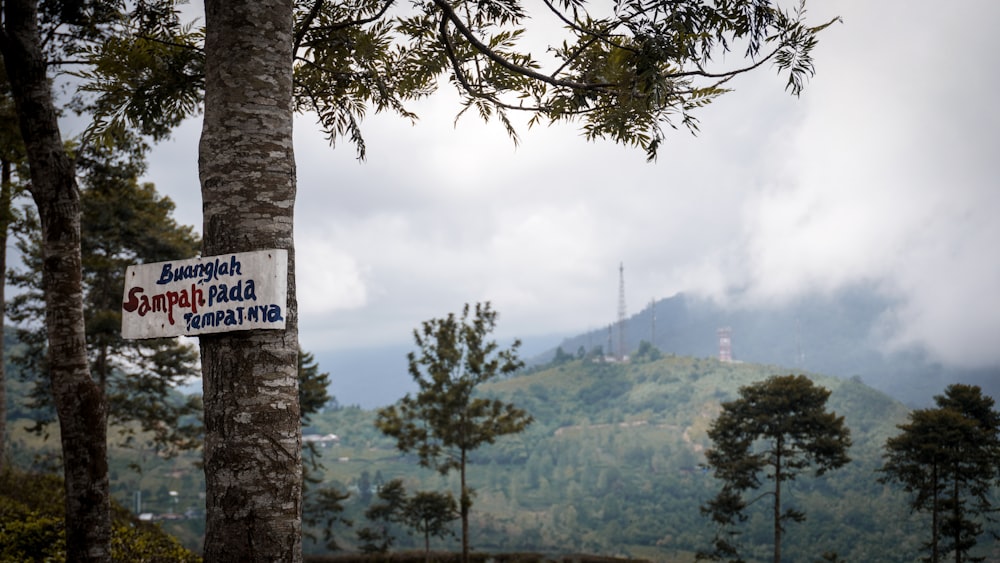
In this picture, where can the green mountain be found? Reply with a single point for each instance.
(843, 333)
(611, 466)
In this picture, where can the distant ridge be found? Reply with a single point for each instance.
(838, 334)
(835, 335)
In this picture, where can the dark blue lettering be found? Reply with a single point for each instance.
(166, 276)
(274, 314)
(205, 272)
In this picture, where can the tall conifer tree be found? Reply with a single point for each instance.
(445, 420)
(948, 459)
(776, 430)
(123, 222)
(79, 402)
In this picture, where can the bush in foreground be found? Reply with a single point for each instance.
(32, 529)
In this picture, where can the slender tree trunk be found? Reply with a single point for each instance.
(5, 218)
(777, 501)
(465, 503)
(79, 402)
(247, 168)
(957, 515)
(934, 513)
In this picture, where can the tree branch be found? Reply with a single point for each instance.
(343, 25)
(313, 13)
(469, 36)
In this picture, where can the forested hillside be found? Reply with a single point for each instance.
(610, 466)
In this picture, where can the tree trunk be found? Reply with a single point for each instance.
(247, 168)
(777, 501)
(79, 402)
(465, 502)
(5, 197)
(934, 512)
(957, 515)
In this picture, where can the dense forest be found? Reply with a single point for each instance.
(611, 465)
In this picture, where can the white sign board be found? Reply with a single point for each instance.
(242, 291)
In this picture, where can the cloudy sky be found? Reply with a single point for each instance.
(886, 171)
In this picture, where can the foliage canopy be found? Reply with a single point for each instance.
(123, 222)
(948, 459)
(445, 421)
(777, 429)
(625, 71)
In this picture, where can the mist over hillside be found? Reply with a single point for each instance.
(842, 334)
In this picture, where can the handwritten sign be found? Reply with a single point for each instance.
(242, 291)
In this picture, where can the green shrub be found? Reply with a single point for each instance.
(31, 526)
(145, 543)
(26, 535)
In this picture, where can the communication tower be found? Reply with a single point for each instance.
(652, 321)
(725, 344)
(621, 312)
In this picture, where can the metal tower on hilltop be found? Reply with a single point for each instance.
(652, 322)
(621, 312)
(726, 344)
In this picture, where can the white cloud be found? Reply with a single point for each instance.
(892, 177)
(331, 279)
(884, 171)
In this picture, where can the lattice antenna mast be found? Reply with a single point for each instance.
(621, 312)
(652, 322)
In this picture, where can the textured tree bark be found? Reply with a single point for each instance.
(5, 196)
(79, 402)
(247, 168)
(934, 513)
(779, 444)
(465, 503)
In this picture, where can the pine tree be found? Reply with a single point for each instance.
(36, 39)
(123, 223)
(430, 513)
(445, 420)
(948, 459)
(314, 394)
(11, 155)
(384, 512)
(776, 430)
(427, 512)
